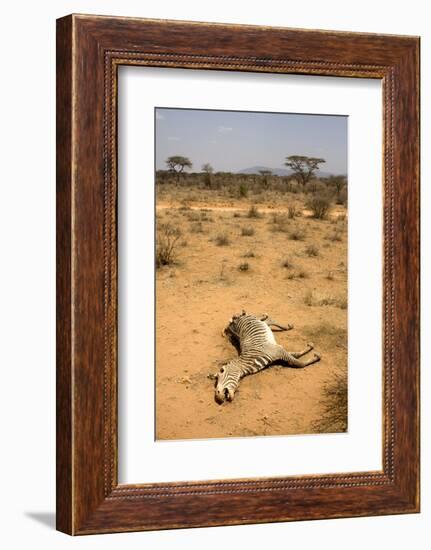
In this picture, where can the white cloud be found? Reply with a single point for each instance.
(224, 129)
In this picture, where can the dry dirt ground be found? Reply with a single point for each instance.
(197, 295)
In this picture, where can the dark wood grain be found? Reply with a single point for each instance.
(64, 496)
(90, 49)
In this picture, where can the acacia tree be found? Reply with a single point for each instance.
(265, 174)
(208, 170)
(177, 163)
(338, 182)
(303, 167)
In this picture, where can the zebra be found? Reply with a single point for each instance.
(258, 349)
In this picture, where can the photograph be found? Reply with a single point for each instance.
(251, 275)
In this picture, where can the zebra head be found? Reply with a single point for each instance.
(227, 380)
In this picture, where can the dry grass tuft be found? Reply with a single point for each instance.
(336, 235)
(297, 234)
(301, 274)
(245, 266)
(279, 223)
(311, 300)
(247, 232)
(197, 227)
(312, 251)
(222, 240)
(334, 403)
(287, 263)
(334, 336)
(194, 216)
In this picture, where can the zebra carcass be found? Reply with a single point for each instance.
(258, 349)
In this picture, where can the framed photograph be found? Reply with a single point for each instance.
(237, 274)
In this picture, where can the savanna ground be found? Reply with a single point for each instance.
(262, 252)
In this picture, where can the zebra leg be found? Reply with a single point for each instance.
(292, 361)
(298, 354)
(265, 318)
(281, 328)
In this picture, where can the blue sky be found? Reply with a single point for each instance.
(234, 140)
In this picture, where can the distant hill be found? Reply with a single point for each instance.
(277, 171)
(256, 170)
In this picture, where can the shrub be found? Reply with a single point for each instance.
(223, 276)
(167, 238)
(330, 276)
(208, 180)
(292, 212)
(297, 234)
(311, 300)
(236, 215)
(315, 186)
(278, 218)
(222, 240)
(254, 212)
(298, 275)
(247, 232)
(280, 228)
(280, 223)
(342, 197)
(312, 250)
(197, 227)
(194, 216)
(342, 303)
(287, 263)
(243, 190)
(334, 404)
(245, 266)
(335, 236)
(333, 335)
(319, 205)
(249, 254)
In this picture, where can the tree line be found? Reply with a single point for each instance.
(303, 169)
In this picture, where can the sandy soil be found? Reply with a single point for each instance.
(196, 297)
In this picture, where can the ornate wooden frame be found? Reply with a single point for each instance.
(89, 51)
